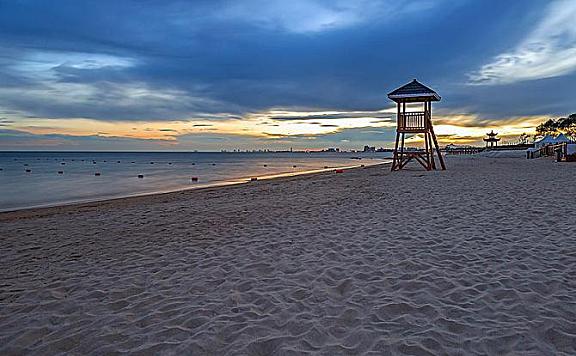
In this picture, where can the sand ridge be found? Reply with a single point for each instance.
(479, 259)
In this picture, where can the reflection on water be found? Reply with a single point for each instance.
(49, 178)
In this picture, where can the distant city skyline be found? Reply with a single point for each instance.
(304, 74)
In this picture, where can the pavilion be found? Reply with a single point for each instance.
(491, 140)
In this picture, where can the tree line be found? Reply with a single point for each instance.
(565, 125)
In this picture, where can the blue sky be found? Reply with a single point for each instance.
(211, 75)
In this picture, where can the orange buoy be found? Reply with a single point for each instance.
(194, 179)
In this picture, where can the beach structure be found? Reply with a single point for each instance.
(491, 140)
(562, 139)
(545, 141)
(415, 122)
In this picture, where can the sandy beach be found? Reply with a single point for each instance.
(476, 260)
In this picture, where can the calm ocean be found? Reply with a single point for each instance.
(31, 179)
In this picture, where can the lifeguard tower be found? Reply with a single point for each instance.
(415, 122)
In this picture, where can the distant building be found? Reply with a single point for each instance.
(369, 149)
(491, 140)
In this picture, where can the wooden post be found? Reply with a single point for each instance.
(440, 158)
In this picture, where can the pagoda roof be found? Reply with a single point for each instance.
(414, 91)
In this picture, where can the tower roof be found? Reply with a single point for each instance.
(414, 91)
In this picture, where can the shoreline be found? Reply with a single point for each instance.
(8, 214)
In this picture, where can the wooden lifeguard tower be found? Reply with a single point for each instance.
(415, 122)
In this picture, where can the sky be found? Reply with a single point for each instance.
(175, 75)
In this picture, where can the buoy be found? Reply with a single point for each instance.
(325, 167)
(97, 174)
(361, 165)
(253, 179)
(62, 163)
(265, 165)
(117, 161)
(169, 162)
(213, 164)
(193, 163)
(140, 175)
(294, 166)
(194, 179)
(93, 162)
(151, 162)
(60, 172)
(104, 161)
(28, 170)
(132, 162)
(339, 171)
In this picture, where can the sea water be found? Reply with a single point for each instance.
(34, 179)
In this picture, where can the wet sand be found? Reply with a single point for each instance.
(480, 259)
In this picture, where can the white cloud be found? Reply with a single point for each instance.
(310, 16)
(41, 64)
(548, 51)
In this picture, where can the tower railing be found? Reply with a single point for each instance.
(413, 121)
